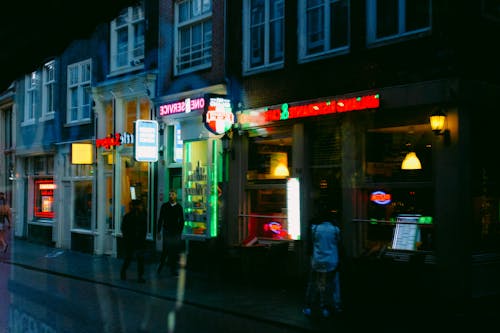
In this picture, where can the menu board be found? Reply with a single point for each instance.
(406, 233)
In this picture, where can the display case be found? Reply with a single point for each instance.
(200, 181)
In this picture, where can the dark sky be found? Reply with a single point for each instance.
(33, 30)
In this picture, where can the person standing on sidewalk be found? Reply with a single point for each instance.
(134, 230)
(170, 225)
(325, 240)
(5, 221)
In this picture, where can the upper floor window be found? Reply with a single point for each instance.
(389, 20)
(32, 97)
(79, 99)
(49, 90)
(193, 44)
(127, 39)
(323, 27)
(263, 34)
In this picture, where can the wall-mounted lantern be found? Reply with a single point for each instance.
(438, 125)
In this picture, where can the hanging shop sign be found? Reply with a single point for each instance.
(259, 117)
(113, 140)
(146, 141)
(218, 115)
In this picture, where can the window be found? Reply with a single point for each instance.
(390, 20)
(193, 44)
(127, 39)
(44, 198)
(31, 98)
(82, 204)
(263, 34)
(79, 99)
(323, 27)
(49, 89)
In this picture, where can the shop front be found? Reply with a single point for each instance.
(39, 193)
(292, 161)
(193, 164)
(126, 159)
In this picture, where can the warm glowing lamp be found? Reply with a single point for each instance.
(437, 120)
(81, 153)
(411, 162)
(281, 170)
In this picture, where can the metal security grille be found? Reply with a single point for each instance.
(326, 142)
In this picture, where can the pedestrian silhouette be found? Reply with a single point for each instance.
(134, 229)
(5, 221)
(170, 225)
(323, 288)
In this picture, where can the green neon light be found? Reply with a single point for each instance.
(425, 220)
(284, 112)
(214, 218)
(188, 198)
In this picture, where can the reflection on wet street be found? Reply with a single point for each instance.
(34, 300)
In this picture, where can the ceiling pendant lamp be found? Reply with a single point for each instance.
(411, 162)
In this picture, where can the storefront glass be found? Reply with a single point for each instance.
(398, 204)
(269, 165)
(44, 198)
(202, 172)
(82, 218)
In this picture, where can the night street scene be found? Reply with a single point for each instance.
(249, 166)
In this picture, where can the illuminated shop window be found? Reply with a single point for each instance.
(44, 198)
(269, 158)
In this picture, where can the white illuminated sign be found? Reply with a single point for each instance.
(293, 207)
(146, 141)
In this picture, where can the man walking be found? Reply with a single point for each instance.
(134, 230)
(170, 225)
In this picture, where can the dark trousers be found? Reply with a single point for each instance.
(321, 287)
(172, 248)
(132, 250)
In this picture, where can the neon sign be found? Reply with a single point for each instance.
(274, 227)
(184, 106)
(286, 111)
(44, 198)
(380, 198)
(115, 140)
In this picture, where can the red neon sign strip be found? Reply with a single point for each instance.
(310, 110)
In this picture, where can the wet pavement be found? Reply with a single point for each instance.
(273, 305)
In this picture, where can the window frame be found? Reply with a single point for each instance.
(133, 17)
(83, 86)
(247, 41)
(49, 90)
(328, 50)
(402, 34)
(31, 98)
(205, 17)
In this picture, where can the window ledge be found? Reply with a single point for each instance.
(28, 122)
(78, 123)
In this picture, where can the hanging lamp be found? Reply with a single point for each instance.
(411, 162)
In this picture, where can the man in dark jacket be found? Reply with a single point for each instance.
(171, 223)
(134, 230)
